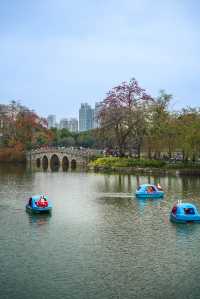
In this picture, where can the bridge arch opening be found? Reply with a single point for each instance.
(73, 164)
(65, 163)
(45, 163)
(38, 162)
(55, 163)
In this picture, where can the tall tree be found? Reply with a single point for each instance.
(158, 125)
(189, 133)
(28, 130)
(121, 115)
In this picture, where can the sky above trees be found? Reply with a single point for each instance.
(55, 54)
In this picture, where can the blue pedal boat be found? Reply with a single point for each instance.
(39, 204)
(184, 212)
(149, 191)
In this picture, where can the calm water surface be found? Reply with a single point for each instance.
(100, 242)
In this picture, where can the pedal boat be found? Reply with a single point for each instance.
(34, 204)
(149, 191)
(184, 212)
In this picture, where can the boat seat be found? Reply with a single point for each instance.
(189, 211)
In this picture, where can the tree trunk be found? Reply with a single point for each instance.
(138, 151)
(149, 153)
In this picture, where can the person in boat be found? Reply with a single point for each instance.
(159, 187)
(150, 189)
(42, 202)
(30, 202)
(174, 209)
(189, 211)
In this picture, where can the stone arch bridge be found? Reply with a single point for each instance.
(59, 158)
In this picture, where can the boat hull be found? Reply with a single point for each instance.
(184, 218)
(148, 195)
(38, 210)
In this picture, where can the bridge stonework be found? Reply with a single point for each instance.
(63, 159)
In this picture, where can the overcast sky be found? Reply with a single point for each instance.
(55, 54)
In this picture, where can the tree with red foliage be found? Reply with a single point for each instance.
(26, 129)
(121, 116)
(30, 128)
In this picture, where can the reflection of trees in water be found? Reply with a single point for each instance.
(125, 183)
(190, 183)
(113, 182)
(15, 169)
(122, 183)
(15, 174)
(137, 180)
(129, 183)
(174, 185)
(107, 182)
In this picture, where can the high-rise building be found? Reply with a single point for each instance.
(51, 120)
(64, 123)
(73, 125)
(98, 106)
(69, 124)
(86, 117)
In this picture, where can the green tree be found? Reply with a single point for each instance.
(189, 133)
(158, 125)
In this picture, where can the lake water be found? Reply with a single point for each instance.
(100, 241)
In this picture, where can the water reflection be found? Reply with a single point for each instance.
(183, 229)
(142, 203)
(187, 236)
(39, 219)
(14, 169)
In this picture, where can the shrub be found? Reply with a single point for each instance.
(109, 162)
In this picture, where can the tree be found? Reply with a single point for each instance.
(121, 116)
(67, 141)
(189, 133)
(85, 139)
(158, 125)
(28, 130)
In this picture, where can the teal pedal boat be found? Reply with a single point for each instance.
(184, 212)
(39, 204)
(149, 191)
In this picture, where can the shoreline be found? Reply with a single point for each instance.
(146, 170)
(176, 171)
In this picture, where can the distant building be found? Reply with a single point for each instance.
(51, 120)
(97, 109)
(69, 124)
(86, 117)
(64, 123)
(73, 125)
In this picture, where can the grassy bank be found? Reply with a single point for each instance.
(115, 162)
(128, 165)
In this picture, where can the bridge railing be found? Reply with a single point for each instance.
(86, 152)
